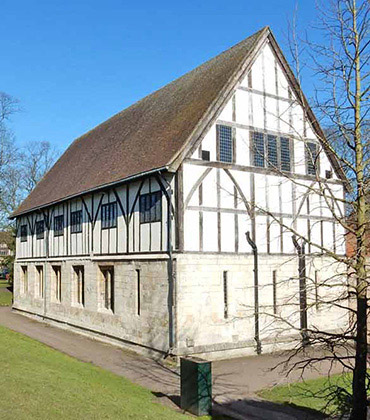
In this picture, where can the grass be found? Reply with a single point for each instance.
(314, 394)
(5, 294)
(37, 382)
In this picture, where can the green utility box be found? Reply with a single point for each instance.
(196, 386)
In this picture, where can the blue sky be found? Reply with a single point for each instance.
(73, 64)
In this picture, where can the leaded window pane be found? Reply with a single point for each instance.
(258, 149)
(272, 161)
(285, 154)
(225, 143)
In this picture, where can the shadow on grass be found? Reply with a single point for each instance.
(252, 409)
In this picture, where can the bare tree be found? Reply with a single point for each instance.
(37, 157)
(341, 63)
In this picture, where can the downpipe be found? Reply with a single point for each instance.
(302, 289)
(256, 303)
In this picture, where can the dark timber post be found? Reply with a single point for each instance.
(171, 291)
(256, 304)
(302, 289)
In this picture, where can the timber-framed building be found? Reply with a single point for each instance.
(138, 233)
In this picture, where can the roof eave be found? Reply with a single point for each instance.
(91, 190)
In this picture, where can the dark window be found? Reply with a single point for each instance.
(276, 148)
(57, 283)
(24, 233)
(40, 229)
(107, 287)
(285, 154)
(151, 207)
(79, 274)
(274, 292)
(76, 221)
(109, 215)
(225, 143)
(226, 297)
(258, 150)
(59, 225)
(311, 158)
(138, 304)
(272, 156)
(328, 174)
(206, 155)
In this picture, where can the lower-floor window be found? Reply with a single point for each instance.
(40, 281)
(24, 279)
(57, 272)
(107, 288)
(79, 285)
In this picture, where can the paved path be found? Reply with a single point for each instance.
(235, 380)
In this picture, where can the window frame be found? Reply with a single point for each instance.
(144, 211)
(57, 274)
(219, 127)
(40, 234)
(109, 222)
(266, 137)
(107, 295)
(76, 227)
(24, 232)
(58, 219)
(308, 158)
(79, 285)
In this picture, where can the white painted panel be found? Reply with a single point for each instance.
(210, 240)
(209, 142)
(275, 237)
(227, 112)
(286, 196)
(260, 191)
(191, 230)
(244, 227)
(261, 233)
(299, 157)
(297, 114)
(258, 110)
(288, 246)
(242, 147)
(144, 237)
(257, 73)
(282, 83)
(227, 232)
(210, 189)
(340, 239)
(190, 176)
(270, 80)
(273, 194)
(283, 117)
(328, 235)
(243, 180)
(242, 106)
(315, 235)
(226, 191)
(156, 237)
(272, 116)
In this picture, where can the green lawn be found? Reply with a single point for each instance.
(314, 394)
(5, 295)
(37, 382)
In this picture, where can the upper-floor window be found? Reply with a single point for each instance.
(109, 215)
(225, 143)
(59, 225)
(40, 229)
(151, 207)
(271, 151)
(76, 221)
(24, 233)
(312, 158)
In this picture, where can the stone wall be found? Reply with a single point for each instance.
(148, 329)
(201, 323)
